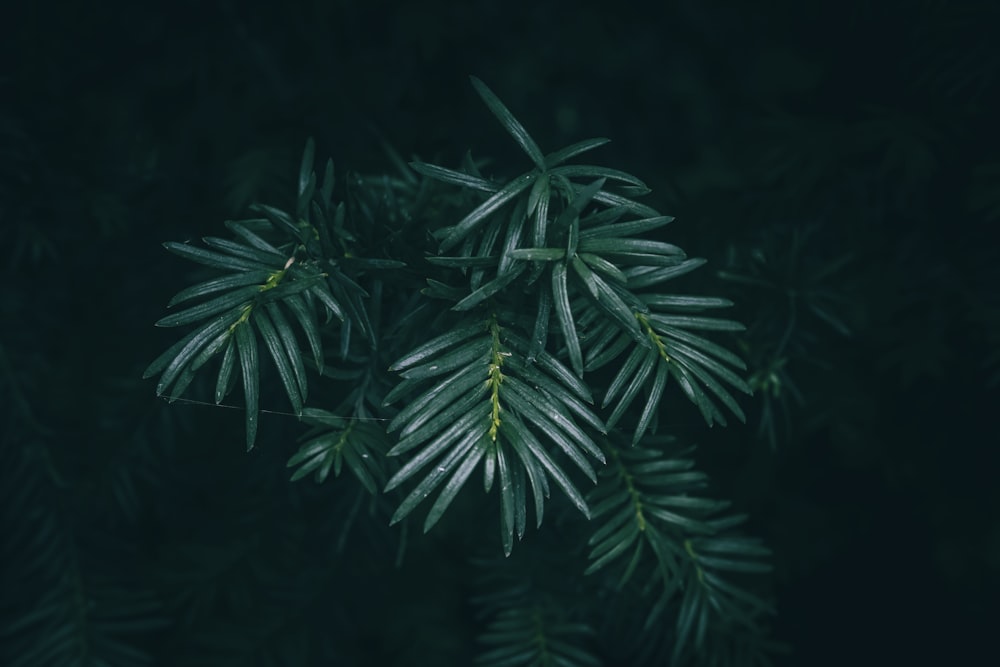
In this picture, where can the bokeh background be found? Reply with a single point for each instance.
(838, 164)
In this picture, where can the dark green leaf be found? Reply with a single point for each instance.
(305, 203)
(246, 345)
(560, 295)
(621, 229)
(695, 322)
(454, 177)
(690, 605)
(307, 320)
(281, 220)
(438, 344)
(241, 228)
(551, 388)
(829, 318)
(568, 439)
(216, 259)
(686, 523)
(225, 371)
(591, 171)
(703, 344)
(306, 166)
(540, 332)
(168, 355)
(708, 409)
(187, 375)
(538, 254)
(479, 215)
(291, 347)
(431, 428)
(627, 515)
(510, 123)
(612, 199)
(322, 293)
(617, 308)
(615, 545)
(645, 260)
(539, 192)
(313, 448)
(486, 248)
(603, 216)
(463, 262)
(512, 236)
(625, 373)
(586, 276)
(468, 425)
(209, 351)
(540, 217)
(633, 190)
(272, 341)
(194, 345)
(463, 355)
(607, 348)
(653, 402)
(490, 288)
(274, 260)
(371, 263)
(648, 275)
(220, 284)
(732, 544)
(628, 246)
(292, 283)
(691, 303)
(352, 296)
(649, 362)
(733, 565)
(602, 265)
(316, 455)
(507, 494)
(457, 481)
(750, 599)
(569, 219)
(632, 565)
(237, 298)
(692, 504)
(320, 417)
(536, 476)
(713, 386)
(692, 356)
(554, 367)
(438, 397)
(444, 467)
(490, 468)
(563, 154)
(519, 495)
(532, 447)
(357, 465)
(326, 189)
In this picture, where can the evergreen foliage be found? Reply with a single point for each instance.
(837, 165)
(538, 285)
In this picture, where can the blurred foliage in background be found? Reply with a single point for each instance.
(836, 163)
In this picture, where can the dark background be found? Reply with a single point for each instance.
(785, 136)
